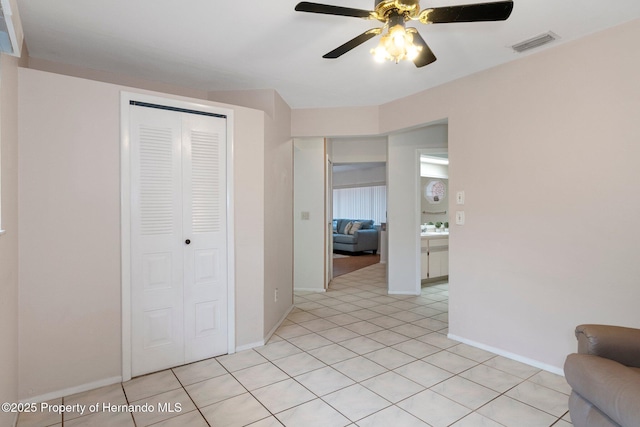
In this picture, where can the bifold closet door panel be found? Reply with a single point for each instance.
(157, 274)
(205, 225)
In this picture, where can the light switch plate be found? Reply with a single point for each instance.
(460, 217)
(460, 197)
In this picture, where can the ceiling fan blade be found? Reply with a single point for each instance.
(498, 11)
(426, 56)
(327, 9)
(353, 43)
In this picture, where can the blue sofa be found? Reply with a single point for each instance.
(364, 239)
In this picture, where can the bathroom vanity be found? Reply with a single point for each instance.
(434, 255)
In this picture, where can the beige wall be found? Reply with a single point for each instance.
(9, 240)
(309, 196)
(356, 150)
(376, 175)
(69, 232)
(546, 149)
(278, 198)
(69, 309)
(278, 240)
(115, 78)
(355, 121)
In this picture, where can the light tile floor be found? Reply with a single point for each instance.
(353, 356)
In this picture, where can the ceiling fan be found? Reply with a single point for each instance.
(401, 42)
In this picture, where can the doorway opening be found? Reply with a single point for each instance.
(434, 216)
(359, 203)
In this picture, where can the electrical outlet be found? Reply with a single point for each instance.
(275, 295)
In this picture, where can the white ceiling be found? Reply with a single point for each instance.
(256, 44)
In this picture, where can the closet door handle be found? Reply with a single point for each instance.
(187, 241)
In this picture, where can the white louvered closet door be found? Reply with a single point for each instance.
(178, 238)
(204, 207)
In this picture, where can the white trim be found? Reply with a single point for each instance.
(73, 390)
(15, 419)
(2, 232)
(402, 293)
(250, 346)
(125, 215)
(509, 355)
(309, 290)
(417, 208)
(125, 229)
(231, 248)
(16, 45)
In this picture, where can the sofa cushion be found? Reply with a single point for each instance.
(366, 223)
(355, 226)
(347, 228)
(344, 238)
(341, 223)
(612, 387)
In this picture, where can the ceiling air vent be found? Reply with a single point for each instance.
(534, 42)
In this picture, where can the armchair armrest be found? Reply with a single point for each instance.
(612, 342)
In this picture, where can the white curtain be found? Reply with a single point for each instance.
(361, 203)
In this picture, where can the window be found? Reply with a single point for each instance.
(361, 203)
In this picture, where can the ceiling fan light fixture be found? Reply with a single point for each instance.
(398, 36)
(379, 53)
(401, 43)
(396, 45)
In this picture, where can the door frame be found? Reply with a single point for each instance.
(125, 214)
(328, 220)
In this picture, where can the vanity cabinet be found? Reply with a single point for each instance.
(434, 255)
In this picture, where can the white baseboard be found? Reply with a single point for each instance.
(249, 346)
(269, 334)
(509, 355)
(72, 390)
(402, 293)
(309, 290)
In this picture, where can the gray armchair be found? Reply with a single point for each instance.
(605, 377)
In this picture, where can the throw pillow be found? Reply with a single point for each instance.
(355, 227)
(347, 227)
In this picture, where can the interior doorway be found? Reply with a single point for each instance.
(434, 216)
(358, 197)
